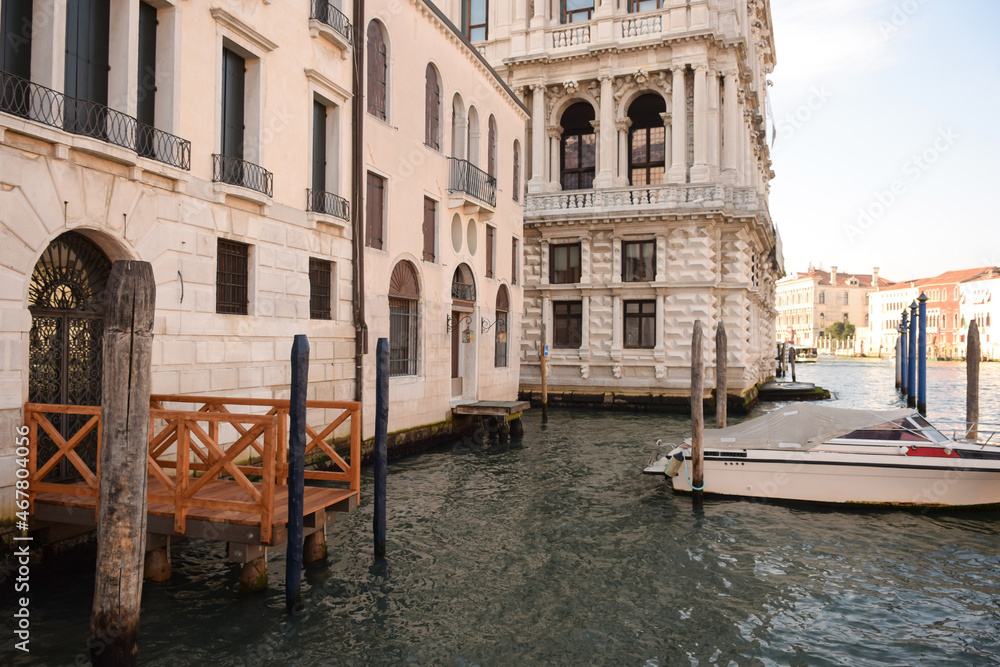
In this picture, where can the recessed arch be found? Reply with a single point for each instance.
(459, 127)
(463, 285)
(403, 282)
(377, 71)
(578, 147)
(560, 107)
(432, 107)
(474, 136)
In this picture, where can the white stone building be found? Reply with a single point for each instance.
(808, 302)
(646, 207)
(980, 302)
(443, 151)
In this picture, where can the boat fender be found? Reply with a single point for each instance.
(676, 457)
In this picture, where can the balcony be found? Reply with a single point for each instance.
(34, 102)
(329, 22)
(327, 203)
(640, 201)
(234, 171)
(471, 187)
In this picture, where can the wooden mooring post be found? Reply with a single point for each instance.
(543, 365)
(697, 414)
(904, 344)
(721, 367)
(130, 302)
(791, 360)
(972, 356)
(381, 442)
(296, 470)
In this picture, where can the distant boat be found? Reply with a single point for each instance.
(806, 355)
(815, 453)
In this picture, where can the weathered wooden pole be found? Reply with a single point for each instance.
(296, 469)
(899, 362)
(791, 360)
(721, 366)
(130, 302)
(543, 361)
(904, 338)
(697, 413)
(922, 357)
(911, 360)
(972, 356)
(381, 442)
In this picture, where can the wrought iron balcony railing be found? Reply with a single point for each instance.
(323, 11)
(319, 201)
(235, 171)
(29, 100)
(473, 181)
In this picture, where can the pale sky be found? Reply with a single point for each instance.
(886, 117)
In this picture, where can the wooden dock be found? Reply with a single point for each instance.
(217, 469)
(492, 408)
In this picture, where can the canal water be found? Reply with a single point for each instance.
(555, 550)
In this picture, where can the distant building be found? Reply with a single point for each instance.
(810, 302)
(980, 301)
(945, 325)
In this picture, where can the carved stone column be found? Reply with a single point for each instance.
(714, 130)
(731, 129)
(555, 150)
(537, 182)
(658, 346)
(623, 124)
(699, 170)
(544, 277)
(667, 141)
(606, 135)
(678, 160)
(585, 327)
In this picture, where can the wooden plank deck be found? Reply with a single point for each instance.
(316, 498)
(492, 408)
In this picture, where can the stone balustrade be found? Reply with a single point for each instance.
(641, 199)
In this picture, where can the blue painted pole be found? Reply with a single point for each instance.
(911, 360)
(296, 469)
(903, 348)
(922, 359)
(381, 442)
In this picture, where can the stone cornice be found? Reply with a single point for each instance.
(240, 28)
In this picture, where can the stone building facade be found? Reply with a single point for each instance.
(808, 302)
(646, 207)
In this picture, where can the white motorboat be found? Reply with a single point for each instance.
(816, 453)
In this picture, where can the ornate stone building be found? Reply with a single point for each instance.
(646, 207)
(810, 301)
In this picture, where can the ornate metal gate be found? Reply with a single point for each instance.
(66, 299)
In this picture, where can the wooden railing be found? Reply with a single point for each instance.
(190, 449)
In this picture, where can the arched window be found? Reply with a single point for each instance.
(432, 108)
(475, 15)
(473, 139)
(501, 327)
(576, 11)
(647, 140)
(822, 321)
(517, 171)
(459, 127)
(579, 147)
(491, 148)
(378, 71)
(404, 299)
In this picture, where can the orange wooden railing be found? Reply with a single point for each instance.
(189, 449)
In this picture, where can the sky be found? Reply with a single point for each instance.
(885, 119)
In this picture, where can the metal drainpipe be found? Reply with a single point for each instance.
(357, 194)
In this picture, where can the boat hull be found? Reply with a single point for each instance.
(843, 478)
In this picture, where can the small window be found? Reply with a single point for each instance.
(846, 298)
(374, 211)
(320, 282)
(475, 19)
(430, 224)
(564, 263)
(514, 261)
(575, 11)
(490, 250)
(822, 297)
(567, 319)
(640, 323)
(644, 5)
(378, 71)
(232, 278)
(432, 108)
(404, 299)
(517, 171)
(638, 261)
(500, 328)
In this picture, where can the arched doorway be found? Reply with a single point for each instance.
(463, 333)
(66, 300)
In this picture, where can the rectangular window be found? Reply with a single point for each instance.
(145, 108)
(88, 27)
(15, 54)
(500, 344)
(430, 219)
(233, 105)
(638, 261)
(640, 323)
(232, 278)
(564, 263)
(320, 282)
(514, 262)
(490, 250)
(579, 155)
(402, 336)
(319, 147)
(575, 11)
(644, 5)
(374, 211)
(567, 323)
(647, 156)
(475, 14)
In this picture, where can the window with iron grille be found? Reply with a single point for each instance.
(567, 319)
(232, 278)
(514, 261)
(374, 211)
(564, 263)
(638, 261)
(430, 218)
(378, 71)
(640, 323)
(432, 111)
(490, 250)
(402, 336)
(320, 282)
